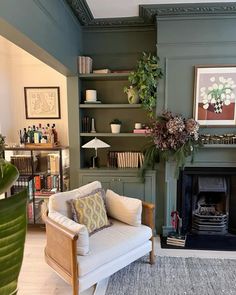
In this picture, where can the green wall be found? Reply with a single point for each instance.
(182, 43)
(45, 28)
(118, 48)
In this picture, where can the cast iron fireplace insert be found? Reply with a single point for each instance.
(206, 200)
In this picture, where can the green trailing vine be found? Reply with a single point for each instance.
(145, 79)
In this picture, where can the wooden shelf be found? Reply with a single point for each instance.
(97, 134)
(102, 77)
(110, 106)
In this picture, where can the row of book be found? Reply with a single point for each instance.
(86, 124)
(21, 183)
(85, 64)
(46, 182)
(23, 163)
(125, 159)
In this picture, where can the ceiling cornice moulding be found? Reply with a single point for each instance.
(149, 13)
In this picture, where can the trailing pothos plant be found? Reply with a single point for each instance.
(13, 221)
(172, 137)
(145, 79)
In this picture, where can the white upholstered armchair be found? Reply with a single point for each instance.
(82, 259)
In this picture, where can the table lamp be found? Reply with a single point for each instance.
(95, 144)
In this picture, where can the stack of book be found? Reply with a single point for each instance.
(176, 240)
(85, 64)
(125, 159)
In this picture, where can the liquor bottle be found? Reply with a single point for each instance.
(55, 133)
(36, 136)
(25, 136)
(29, 135)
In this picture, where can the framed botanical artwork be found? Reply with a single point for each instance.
(214, 95)
(42, 102)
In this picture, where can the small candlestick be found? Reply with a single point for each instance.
(93, 130)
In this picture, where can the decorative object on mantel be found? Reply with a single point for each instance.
(145, 79)
(215, 92)
(172, 137)
(228, 138)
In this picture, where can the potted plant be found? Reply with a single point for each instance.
(145, 80)
(115, 126)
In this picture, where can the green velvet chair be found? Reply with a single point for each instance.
(13, 222)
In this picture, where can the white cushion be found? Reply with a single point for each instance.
(58, 202)
(111, 243)
(80, 229)
(128, 210)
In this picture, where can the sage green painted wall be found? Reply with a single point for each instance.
(181, 44)
(118, 48)
(45, 28)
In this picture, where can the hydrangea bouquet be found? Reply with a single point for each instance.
(172, 136)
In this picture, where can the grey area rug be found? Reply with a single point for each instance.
(175, 276)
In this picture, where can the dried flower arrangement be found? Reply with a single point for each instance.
(172, 137)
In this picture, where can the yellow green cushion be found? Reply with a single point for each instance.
(90, 211)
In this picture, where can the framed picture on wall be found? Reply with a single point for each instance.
(214, 95)
(42, 102)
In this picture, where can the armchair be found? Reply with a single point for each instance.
(109, 249)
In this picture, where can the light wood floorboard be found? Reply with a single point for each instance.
(36, 277)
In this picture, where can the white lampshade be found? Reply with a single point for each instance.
(95, 144)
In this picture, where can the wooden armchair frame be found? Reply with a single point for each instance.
(60, 251)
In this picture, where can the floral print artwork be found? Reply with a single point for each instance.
(215, 93)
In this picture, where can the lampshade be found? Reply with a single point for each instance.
(95, 144)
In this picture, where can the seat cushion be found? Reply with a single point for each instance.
(124, 209)
(58, 202)
(111, 243)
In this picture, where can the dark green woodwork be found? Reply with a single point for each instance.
(46, 29)
(182, 43)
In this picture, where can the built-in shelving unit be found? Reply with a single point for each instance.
(114, 104)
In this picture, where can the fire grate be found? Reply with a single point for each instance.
(208, 220)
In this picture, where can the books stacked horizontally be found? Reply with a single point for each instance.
(125, 159)
(176, 240)
(142, 131)
(85, 64)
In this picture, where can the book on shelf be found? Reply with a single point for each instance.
(141, 131)
(176, 240)
(85, 64)
(101, 71)
(125, 159)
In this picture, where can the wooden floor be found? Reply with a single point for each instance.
(36, 278)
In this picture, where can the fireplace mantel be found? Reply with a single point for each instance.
(212, 155)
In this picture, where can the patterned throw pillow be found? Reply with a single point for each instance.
(90, 211)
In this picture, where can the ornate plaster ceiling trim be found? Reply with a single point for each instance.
(148, 13)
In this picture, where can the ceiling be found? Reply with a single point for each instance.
(129, 8)
(94, 13)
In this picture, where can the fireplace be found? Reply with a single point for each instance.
(206, 200)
